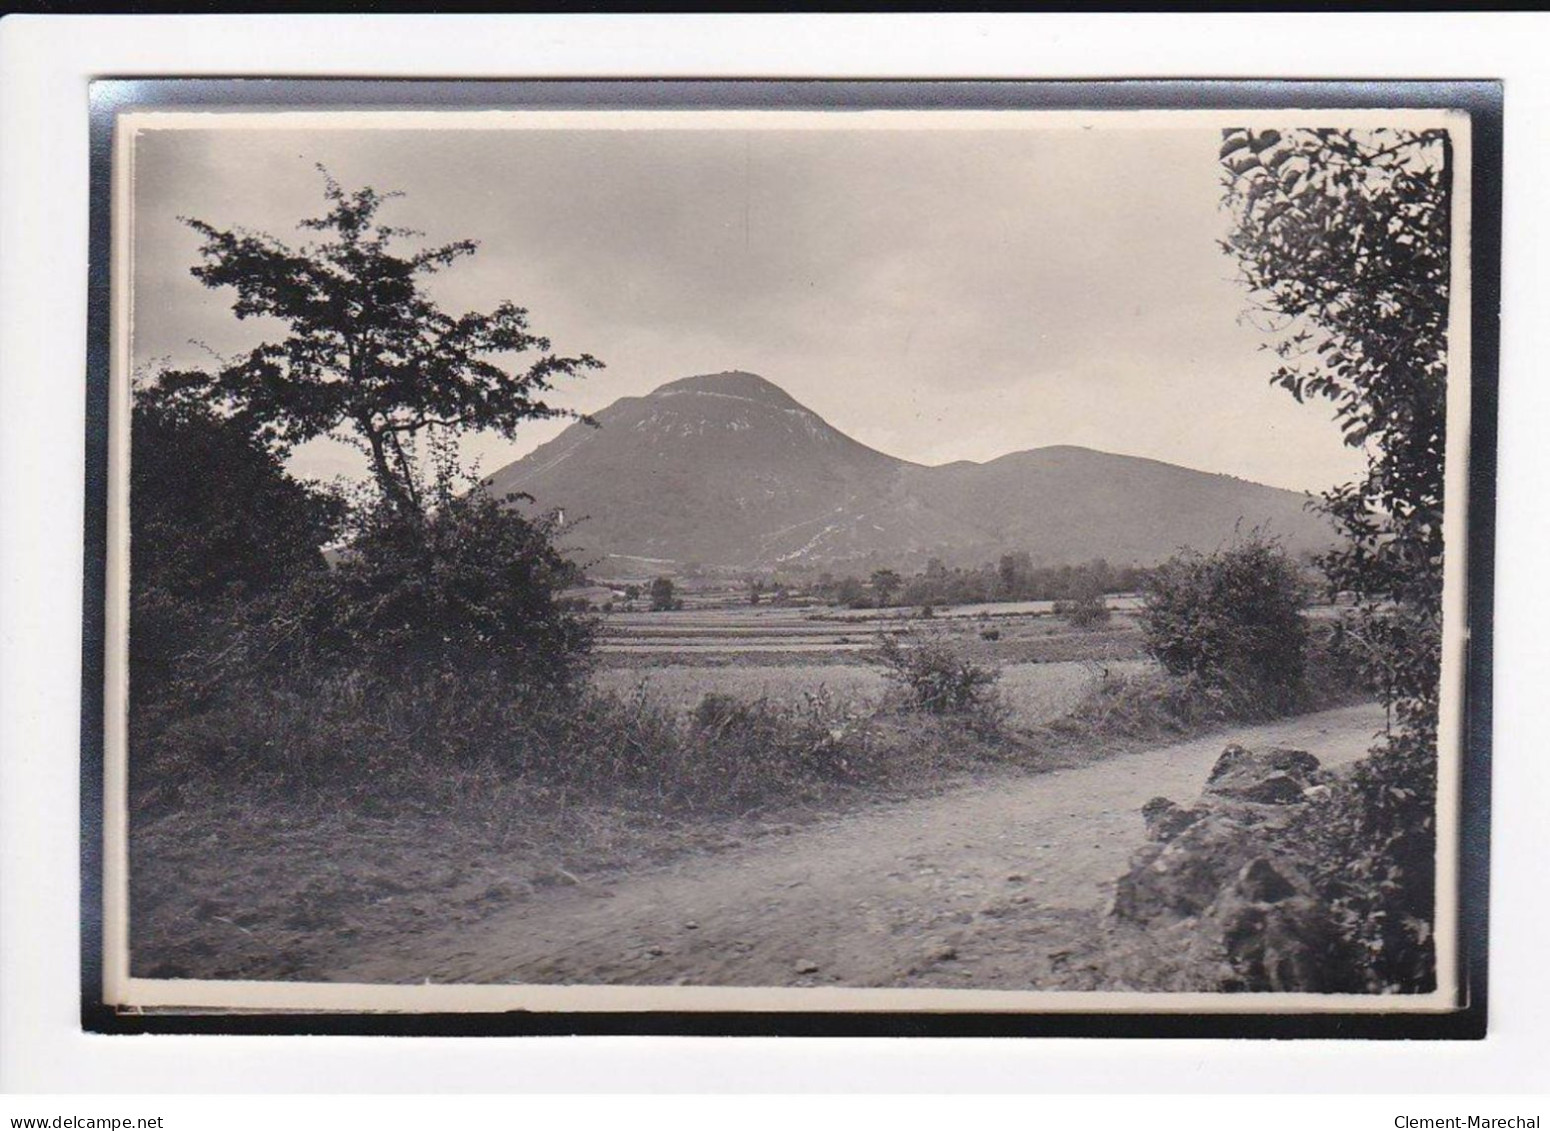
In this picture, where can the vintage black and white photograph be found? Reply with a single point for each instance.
(787, 559)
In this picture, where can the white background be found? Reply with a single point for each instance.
(45, 64)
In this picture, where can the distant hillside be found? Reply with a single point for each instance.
(728, 470)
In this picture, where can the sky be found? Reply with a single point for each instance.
(938, 294)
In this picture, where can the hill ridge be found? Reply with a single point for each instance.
(728, 469)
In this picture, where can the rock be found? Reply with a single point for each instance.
(1260, 882)
(944, 953)
(1167, 819)
(691, 925)
(1180, 879)
(1016, 878)
(1217, 902)
(1280, 789)
(1277, 759)
(1274, 936)
(1276, 776)
(804, 966)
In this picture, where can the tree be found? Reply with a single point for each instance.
(1343, 239)
(193, 554)
(662, 595)
(366, 352)
(848, 591)
(1013, 573)
(885, 583)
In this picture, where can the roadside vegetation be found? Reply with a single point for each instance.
(1362, 323)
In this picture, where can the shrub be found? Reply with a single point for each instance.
(471, 587)
(1370, 845)
(933, 676)
(1150, 705)
(1083, 611)
(1231, 619)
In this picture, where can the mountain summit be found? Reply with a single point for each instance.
(727, 469)
(733, 383)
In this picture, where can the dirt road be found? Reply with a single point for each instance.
(986, 887)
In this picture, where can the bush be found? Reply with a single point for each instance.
(1231, 619)
(1084, 611)
(1370, 844)
(1150, 705)
(471, 587)
(934, 677)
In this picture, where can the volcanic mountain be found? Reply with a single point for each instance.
(728, 470)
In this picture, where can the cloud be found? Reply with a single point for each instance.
(938, 294)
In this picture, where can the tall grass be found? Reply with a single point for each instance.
(370, 737)
(1154, 705)
(430, 741)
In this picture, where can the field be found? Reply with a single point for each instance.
(1025, 632)
(784, 655)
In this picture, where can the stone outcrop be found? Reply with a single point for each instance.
(1275, 935)
(1217, 898)
(1271, 777)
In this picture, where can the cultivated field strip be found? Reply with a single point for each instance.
(751, 630)
(1033, 693)
(627, 649)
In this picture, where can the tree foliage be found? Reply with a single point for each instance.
(1232, 619)
(663, 595)
(1014, 577)
(1343, 239)
(439, 592)
(193, 552)
(367, 354)
(470, 589)
(885, 583)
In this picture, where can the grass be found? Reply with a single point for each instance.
(456, 797)
(240, 869)
(1034, 693)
